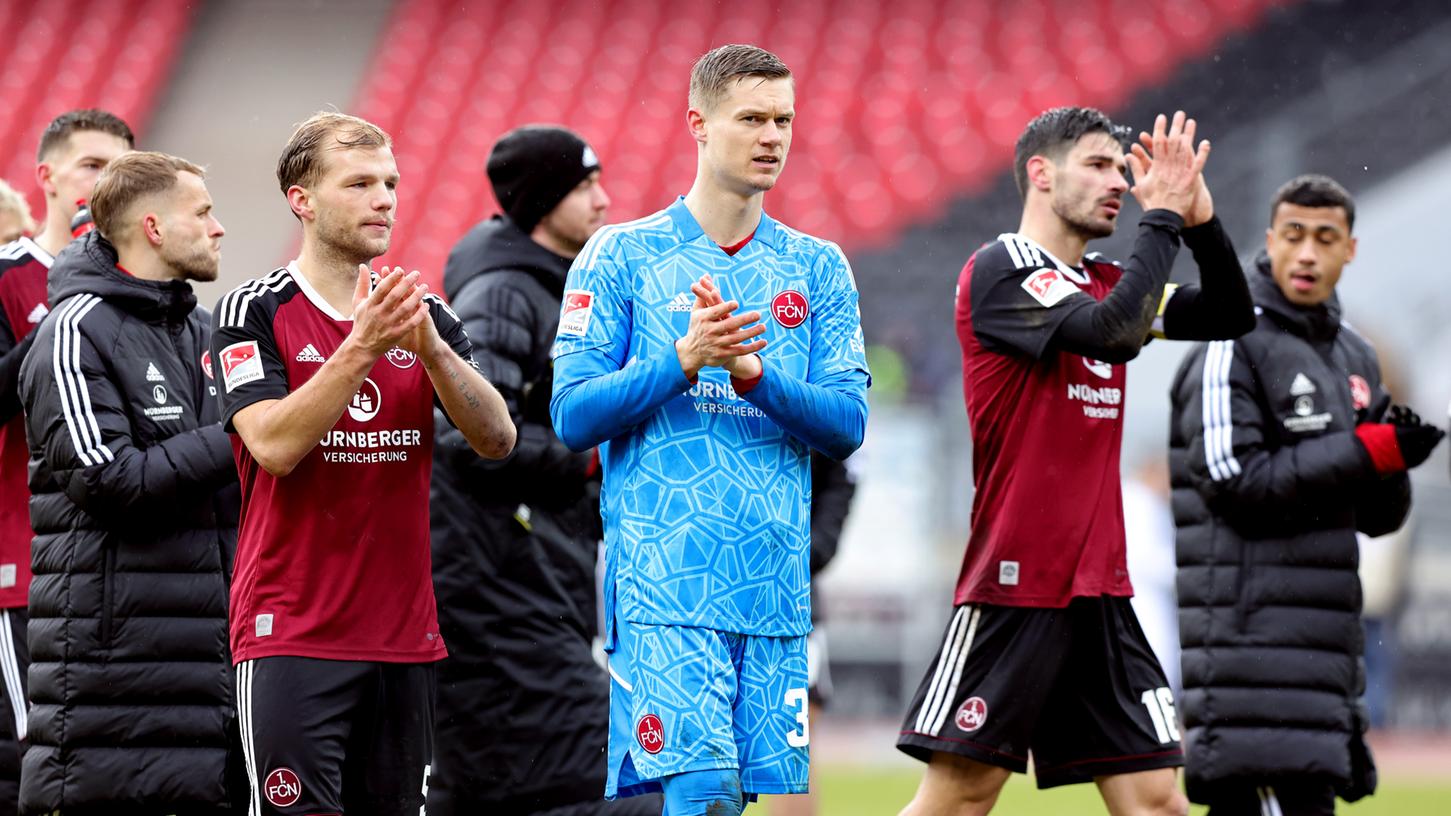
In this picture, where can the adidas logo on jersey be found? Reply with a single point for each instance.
(38, 313)
(309, 354)
(1301, 386)
(153, 374)
(681, 303)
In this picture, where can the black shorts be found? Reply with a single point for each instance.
(1078, 688)
(335, 736)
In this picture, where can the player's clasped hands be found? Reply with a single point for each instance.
(717, 336)
(1168, 169)
(392, 313)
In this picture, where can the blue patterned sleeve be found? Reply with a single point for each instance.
(827, 410)
(599, 392)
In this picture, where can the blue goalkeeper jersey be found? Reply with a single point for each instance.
(707, 491)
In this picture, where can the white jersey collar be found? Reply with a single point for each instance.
(1070, 272)
(312, 295)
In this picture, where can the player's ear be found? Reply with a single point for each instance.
(43, 172)
(300, 200)
(695, 121)
(1040, 173)
(1350, 249)
(1269, 238)
(151, 228)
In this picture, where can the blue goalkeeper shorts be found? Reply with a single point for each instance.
(686, 699)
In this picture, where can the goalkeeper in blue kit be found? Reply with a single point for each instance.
(707, 349)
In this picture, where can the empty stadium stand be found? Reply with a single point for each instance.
(66, 54)
(902, 106)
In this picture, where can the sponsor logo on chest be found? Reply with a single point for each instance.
(376, 442)
(721, 398)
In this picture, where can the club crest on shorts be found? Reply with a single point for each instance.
(790, 308)
(971, 714)
(651, 733)
(1359, 392)
(282, 787)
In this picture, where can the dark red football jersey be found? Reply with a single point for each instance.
(1047, 512)
(332, 559)
(23, 267)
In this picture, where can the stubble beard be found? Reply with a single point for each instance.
(343, 241)
(1083, 224)
(197, 264)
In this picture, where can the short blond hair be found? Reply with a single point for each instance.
(301, 160)
(717, 69)
(128, 179)
(12, 201)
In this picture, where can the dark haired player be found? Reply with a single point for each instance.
(1043, 654)
(328, 378)
(75, 147)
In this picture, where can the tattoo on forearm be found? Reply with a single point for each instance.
(463, 388)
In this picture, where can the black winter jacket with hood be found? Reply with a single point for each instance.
(1270, 485)
(514, 550)
(134, 506)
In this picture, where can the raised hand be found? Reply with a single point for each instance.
(745, 366)
(716, 336)
(1168, 170)
(1203, 207)
(388, 314)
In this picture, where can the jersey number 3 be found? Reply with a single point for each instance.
(798, 737)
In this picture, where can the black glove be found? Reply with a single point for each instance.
(1415, 438)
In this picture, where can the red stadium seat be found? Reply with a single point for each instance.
(116, 58)
(900, 107)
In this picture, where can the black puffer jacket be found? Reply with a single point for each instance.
(134, 503)
(522, 706)
(1270, 487)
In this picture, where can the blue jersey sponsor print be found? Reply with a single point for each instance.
(707, 490)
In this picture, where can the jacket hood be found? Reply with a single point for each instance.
(497, 245)
(88, 266)
(1319, 323)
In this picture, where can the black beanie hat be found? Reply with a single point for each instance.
(534, 167)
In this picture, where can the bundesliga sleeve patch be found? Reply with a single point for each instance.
(1048, 287)
(241, 364)
(578, 308)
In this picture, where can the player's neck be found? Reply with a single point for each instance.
(56, 233)
(725, 217)
(1053, 234)
(330, 275)
(145, 265)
